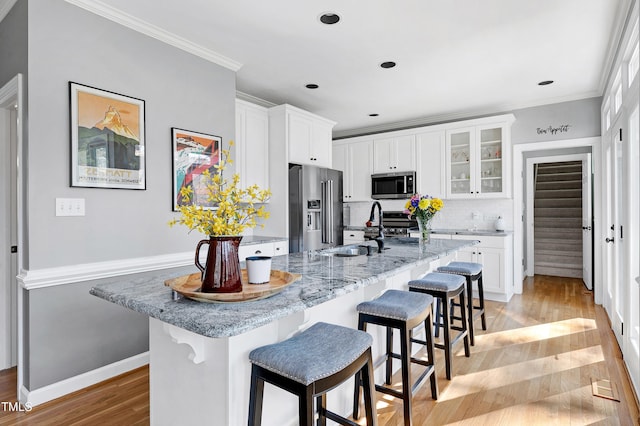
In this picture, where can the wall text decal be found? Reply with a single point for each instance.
(563, 128)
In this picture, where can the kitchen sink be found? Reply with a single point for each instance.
(349, 251)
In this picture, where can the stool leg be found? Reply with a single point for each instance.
(321, 402)
(447, 337)
(405, 356)
(470, 308)
(305, 407)
(389, 363)
(464, 322)
(255, 399)
(430, 356)
(362, 325)
(481, 297)
(369, 391)
(436, 320)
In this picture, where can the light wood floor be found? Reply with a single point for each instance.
(533, 366)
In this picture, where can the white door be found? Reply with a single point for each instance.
(587, 231)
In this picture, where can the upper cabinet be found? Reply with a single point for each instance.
(307, 136)
(394, 154)
(430, 172)
(354, 160)
(478, 160)
(252, 144)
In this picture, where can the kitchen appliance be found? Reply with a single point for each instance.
(315, 208)
(396, 224)
(395, 185)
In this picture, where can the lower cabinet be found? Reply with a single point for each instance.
(264, 249)
(496, 256)
(352, 237)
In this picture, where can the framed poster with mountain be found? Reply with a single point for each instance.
(193, 154)
(107, 139)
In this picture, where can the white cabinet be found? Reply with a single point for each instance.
(354, 160)
(252, 144)
(478, 161)
(430, 172)
(352, 237)
(496, 256)
(395, 154)
(277, 248)
(307, 136)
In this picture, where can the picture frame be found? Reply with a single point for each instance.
(193, 153)
(108, 139)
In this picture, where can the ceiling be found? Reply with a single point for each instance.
(455, 58)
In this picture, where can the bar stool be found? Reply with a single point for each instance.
(401, 310)
(472, 272)
(310, 364)
(445, 288)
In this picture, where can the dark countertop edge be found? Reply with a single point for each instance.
(351, 285)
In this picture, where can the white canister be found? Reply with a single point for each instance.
(258, 269)
(499, 224)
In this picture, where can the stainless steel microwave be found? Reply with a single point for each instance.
(396, 185)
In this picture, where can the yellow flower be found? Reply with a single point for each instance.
(423, 204)
(235, 207)
(437, 204)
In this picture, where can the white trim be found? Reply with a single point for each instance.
(5, 8)
(81, 381)
(49, 277)
(518, 198)
(146, 28)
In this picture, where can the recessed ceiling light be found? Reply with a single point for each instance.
(311, 86)
(373, 115)
(545, 83)
(388, 64)
(329, 18)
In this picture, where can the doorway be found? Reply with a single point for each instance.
(559, 216)
(11, 119)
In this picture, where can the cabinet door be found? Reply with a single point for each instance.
(360, 159)
(460, 168)
(430, 148)
(252, 145)
(320, 149)
(467, 254)
(340, 155)
(403, 154)
(382, 162)
(492, 260)
(492, 164)
(300, 131)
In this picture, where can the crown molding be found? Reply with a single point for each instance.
(254, 99)
(456, 116)
(146, 28)
(5, 7)
(621, 22)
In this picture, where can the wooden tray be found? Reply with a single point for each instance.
(189, 286)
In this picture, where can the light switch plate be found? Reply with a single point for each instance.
(69, 206)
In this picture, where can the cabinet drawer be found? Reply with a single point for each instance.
(280, 248)
(485, 241)
(265, 249)
(355, 236)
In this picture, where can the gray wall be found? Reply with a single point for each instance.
(70, 331)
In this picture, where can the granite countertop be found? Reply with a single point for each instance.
(258, 239)
(323, 278)
(478, 232)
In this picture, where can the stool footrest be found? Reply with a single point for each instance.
(338, 419)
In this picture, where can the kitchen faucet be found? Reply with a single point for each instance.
(380, 238)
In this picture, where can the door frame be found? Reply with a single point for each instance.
(530, 192)
(519, 212)
(12, 98)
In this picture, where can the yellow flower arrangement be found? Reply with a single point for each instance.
(423, 207)
(236, 207)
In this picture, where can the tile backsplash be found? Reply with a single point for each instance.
(456, 214)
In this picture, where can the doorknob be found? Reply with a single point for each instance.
(586, 228)
(609, 240)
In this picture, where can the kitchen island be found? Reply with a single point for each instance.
(199, 368)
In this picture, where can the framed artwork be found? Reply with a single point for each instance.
(193, 153)
(107, 139)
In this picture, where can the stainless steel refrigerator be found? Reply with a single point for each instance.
(315, 208)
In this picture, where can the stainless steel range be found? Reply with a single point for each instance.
(396, 224)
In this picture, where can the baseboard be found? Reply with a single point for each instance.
(72, 384)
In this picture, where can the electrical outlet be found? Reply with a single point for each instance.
(69, 206)
(491, 217)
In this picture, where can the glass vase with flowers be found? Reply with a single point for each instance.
(423, 208)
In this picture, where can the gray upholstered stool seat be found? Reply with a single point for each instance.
(462, 268)
(402, 311)
(319, 359)
(445, 288)
(471, 272)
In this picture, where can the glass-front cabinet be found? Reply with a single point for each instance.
(477, 162)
